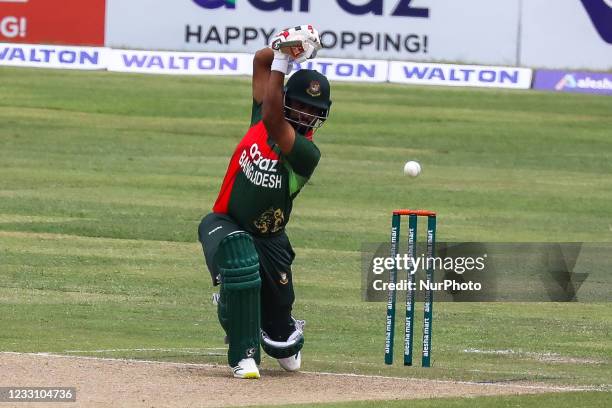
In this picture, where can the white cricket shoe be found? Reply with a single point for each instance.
(246, 368)
(292, 363)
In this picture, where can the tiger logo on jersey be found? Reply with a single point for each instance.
(270, 221)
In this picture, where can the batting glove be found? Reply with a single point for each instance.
(295, 44)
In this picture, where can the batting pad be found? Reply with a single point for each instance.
(239, 303)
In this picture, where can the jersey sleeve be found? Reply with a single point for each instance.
(304, 156)
(256, 113)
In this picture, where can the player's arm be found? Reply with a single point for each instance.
(261, 73)
(295, 44)
(273, 107)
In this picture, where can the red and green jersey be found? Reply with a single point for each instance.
(261, 182)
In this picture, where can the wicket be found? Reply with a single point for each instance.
(411, 278)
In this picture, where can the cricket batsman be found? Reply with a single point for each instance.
(245, 245)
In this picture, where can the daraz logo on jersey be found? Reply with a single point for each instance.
(260, 170)
(600, 12)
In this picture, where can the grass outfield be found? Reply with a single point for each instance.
(104, 178)
(564, 400)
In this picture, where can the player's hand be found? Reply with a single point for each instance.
(298, 43)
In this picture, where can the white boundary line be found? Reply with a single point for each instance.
(200, 351)
(552, 357)
(123, 360)
(488, 384)
(508, 351)
(184, 350)
(204, 365)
